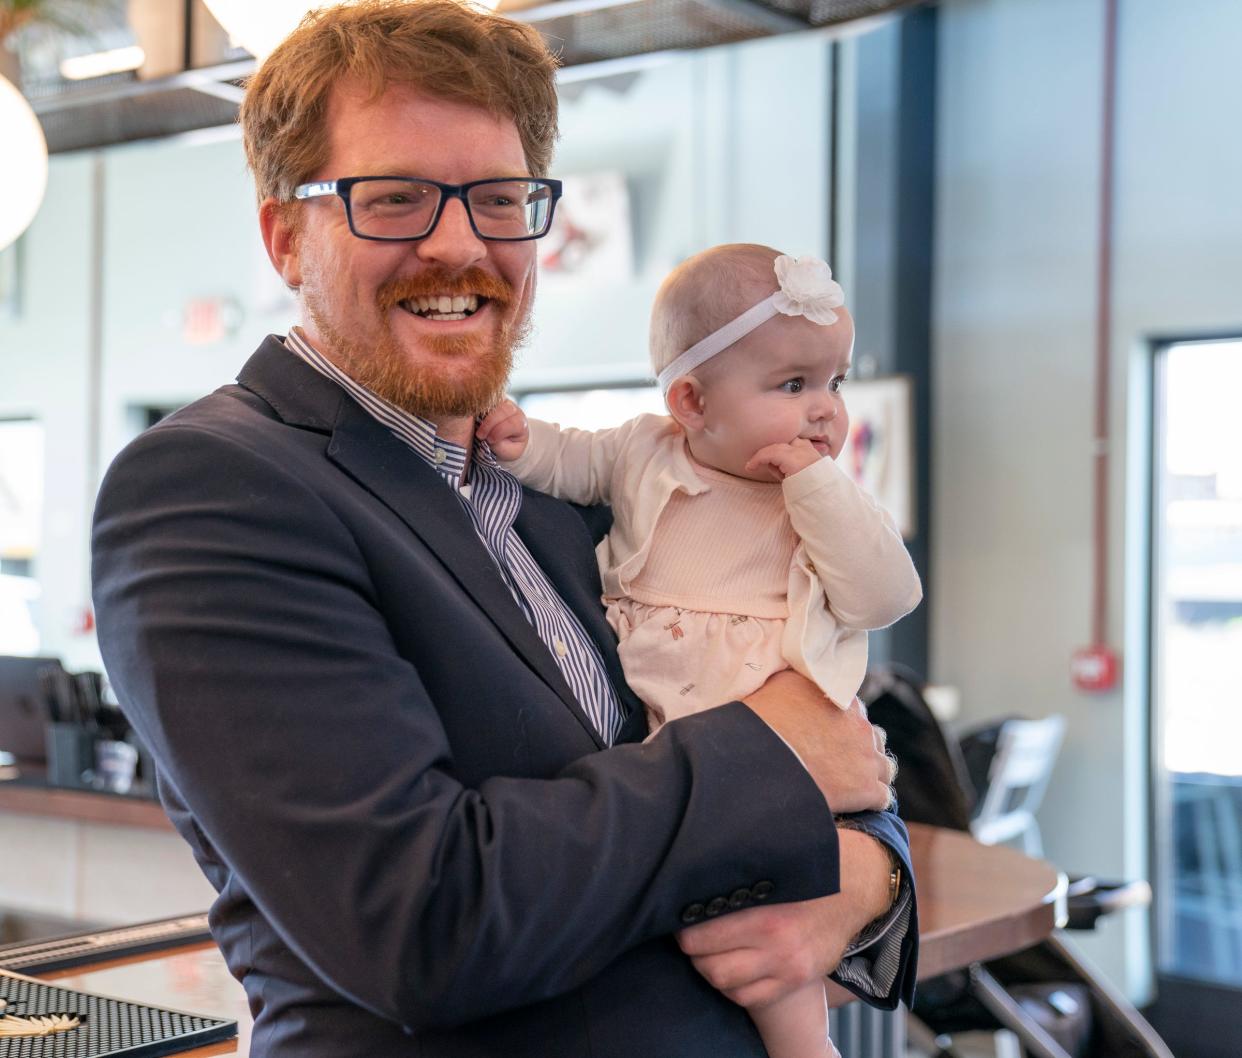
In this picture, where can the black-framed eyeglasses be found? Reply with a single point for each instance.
(400, 209)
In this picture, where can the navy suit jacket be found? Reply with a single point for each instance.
(420, 845)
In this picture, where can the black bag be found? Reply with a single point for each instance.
(1062, 1009)
(932, 785)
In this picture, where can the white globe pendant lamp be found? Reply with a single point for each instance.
(23, 178)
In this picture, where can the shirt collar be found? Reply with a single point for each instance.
(446, 458)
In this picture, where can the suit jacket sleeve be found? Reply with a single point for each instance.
(242, 631)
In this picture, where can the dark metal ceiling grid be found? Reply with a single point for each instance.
(122, 109)
(140, 116)
(832, 12)
(654, 25)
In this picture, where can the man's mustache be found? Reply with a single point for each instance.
(441, 281)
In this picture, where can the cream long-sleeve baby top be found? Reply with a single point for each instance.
(714, 582)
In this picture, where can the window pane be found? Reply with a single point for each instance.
(592, 409)
(1198, 636)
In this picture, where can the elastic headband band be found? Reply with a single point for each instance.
(806, 289)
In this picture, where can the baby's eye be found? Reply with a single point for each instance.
(836, 384)
(793, 385)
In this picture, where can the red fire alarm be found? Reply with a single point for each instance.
(1094, 668)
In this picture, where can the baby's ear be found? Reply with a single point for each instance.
(685, 402)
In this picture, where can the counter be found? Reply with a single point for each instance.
(30, 795)
(80, 849)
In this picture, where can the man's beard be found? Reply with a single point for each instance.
(383, 367)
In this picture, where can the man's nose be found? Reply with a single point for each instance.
(453, 243)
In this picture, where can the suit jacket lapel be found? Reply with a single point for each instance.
(397, 476)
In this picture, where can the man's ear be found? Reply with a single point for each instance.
(685, 402)
(280, 237)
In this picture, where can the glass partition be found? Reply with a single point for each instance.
(21, 517)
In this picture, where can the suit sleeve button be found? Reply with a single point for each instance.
(716, 905)
(739, 898)
(761, 890)
(692, 914)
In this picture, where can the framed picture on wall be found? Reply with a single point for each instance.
(879, 451)
(591, 242)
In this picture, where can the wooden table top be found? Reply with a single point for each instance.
(976, 902)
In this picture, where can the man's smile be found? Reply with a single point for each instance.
(443, 306)
(439, 296)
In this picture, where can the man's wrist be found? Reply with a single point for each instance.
(874, 874)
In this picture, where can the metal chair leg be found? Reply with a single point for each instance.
(1002, 1006)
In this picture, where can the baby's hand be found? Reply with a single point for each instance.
(504, 429)
(786, 459)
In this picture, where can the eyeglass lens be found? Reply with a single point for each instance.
(406, 209)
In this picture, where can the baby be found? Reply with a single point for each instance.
(739, 548)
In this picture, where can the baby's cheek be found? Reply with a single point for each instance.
(840, 434)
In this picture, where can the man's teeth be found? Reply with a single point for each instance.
(442, 306)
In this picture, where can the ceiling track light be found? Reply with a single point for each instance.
(102, 63)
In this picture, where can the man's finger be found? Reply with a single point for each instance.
(710, 938)
(753, 927)
(732, 970)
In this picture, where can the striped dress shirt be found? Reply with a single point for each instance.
(492, 500)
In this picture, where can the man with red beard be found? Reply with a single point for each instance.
(374, 672)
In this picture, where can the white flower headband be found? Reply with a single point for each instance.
(806, 289)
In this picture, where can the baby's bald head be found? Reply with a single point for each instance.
(705, 292)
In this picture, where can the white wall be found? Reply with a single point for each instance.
(722, 145)
(1019, 114)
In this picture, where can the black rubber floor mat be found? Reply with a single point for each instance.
(108, 1026)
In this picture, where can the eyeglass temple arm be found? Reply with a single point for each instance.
(316, 190)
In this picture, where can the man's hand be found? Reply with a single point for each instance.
(505, 430)
(763, 953)
(785, 459)
(842, 751)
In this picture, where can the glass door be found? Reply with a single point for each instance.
(1197, 669)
